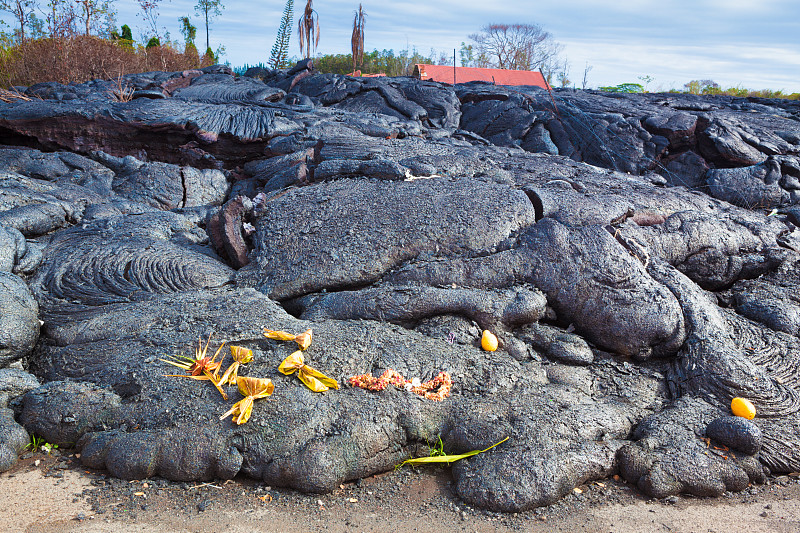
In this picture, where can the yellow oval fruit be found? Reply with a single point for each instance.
(743, 408)
(488, 341)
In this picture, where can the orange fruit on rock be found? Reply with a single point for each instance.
(743, 408)
(488, 341)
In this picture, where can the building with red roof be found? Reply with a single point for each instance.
(498, 76)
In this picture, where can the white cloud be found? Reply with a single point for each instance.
(729, 65)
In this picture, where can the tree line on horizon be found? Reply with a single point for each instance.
(76, 40)
(505, 46)
(58, 19)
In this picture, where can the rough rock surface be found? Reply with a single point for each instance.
(14, 439)
(19, 319)
(737, 433)
(636, 255)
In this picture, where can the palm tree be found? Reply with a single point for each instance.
(357, 41)
(308, 30)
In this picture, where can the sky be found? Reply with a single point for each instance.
(745, 43)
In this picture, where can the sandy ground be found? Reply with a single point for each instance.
(52, 493)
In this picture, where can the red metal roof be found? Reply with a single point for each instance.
(444, 74)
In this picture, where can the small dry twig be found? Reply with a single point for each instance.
(10, 96)
(122, 92)
(205, 485)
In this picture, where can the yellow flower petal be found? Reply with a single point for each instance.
(252, 389)
(294, 362)
(241, 411)
(179, 364)
(213, 379)
(241, 354)
(245, 410)
(304, 339)
(325, 380)
(313, 379)
(256, 387)
(278, 335)
(311, 382)
(230, 375)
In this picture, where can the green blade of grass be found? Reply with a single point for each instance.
(447, 458)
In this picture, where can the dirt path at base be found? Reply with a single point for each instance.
(57, 495)
(28, 497)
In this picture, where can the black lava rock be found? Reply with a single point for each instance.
(737, 433)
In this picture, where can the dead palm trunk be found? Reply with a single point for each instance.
(357, 41)
(308, 30)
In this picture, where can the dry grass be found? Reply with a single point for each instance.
(81, 58)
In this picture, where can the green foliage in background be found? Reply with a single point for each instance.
(124, 38)
(126, 33)
(623, 88)
(710, 87)
(188, 30)
(376, 62)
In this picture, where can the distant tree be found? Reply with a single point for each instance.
(623, 88)
(22, 10)
(308, 30)
(125, 37)
(709, 87)
(279, 57)
(209, 9)
(647, 79)
(517, 46)
(188, 30)
(586, 70)
(59, 18)
(443, 58)
(357, 40)
(383, 62)
(36, 27)
(209, 58)
(150, 15)
(334, 63)
(153, 42)
(91, 14)
(470, 57)
(404, 65)
(693, 87)
(702, 87)
(467, 54)
(563, 74)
